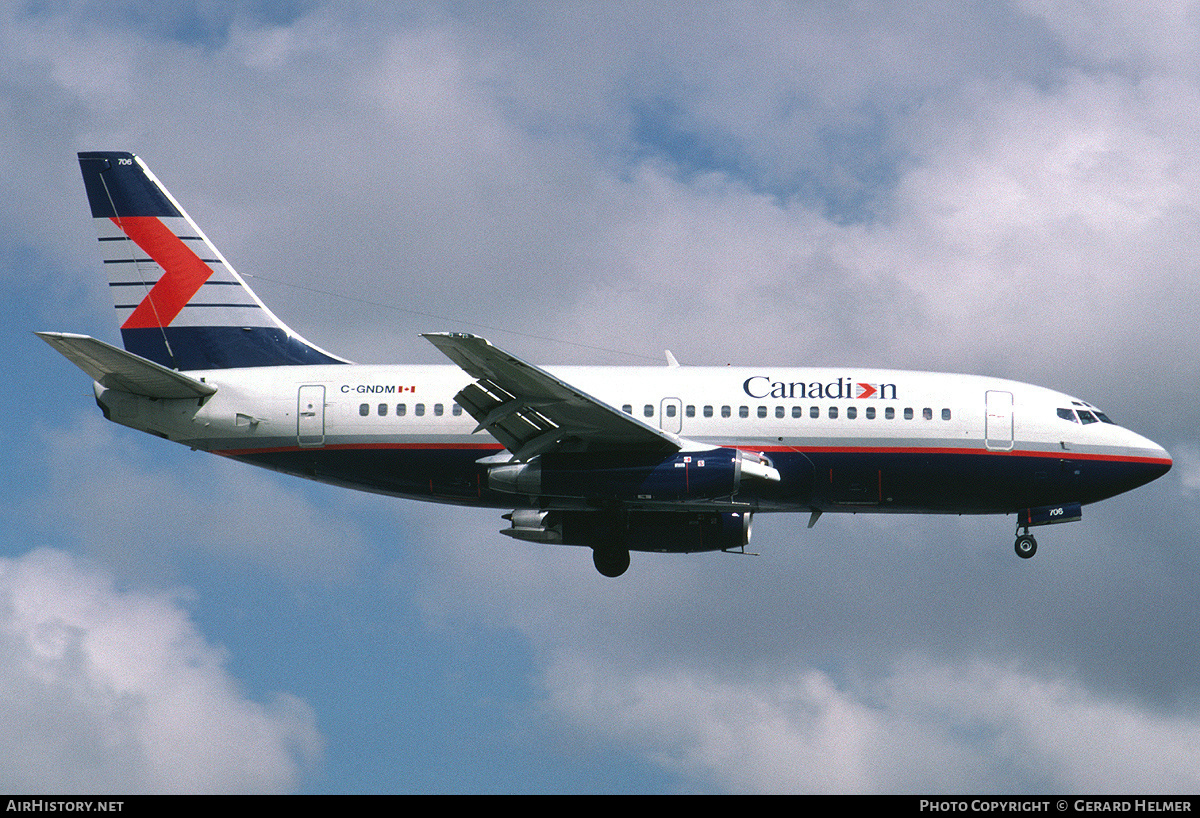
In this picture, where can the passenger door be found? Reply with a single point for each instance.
(310, 416)
(998, 421)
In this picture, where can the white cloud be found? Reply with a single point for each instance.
(926, 727)
(1025, 219)
(116, 691)
(1043, 730)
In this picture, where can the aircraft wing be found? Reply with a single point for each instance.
(530, 411)
(118, 369)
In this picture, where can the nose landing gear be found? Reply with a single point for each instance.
(1026, 545)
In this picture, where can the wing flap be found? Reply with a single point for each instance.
(531, 411)
(117, 369)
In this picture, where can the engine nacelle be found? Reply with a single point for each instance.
(634, 530)
(632, 477)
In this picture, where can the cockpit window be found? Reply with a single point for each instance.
(1085, 416)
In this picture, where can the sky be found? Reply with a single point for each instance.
(1007, 188)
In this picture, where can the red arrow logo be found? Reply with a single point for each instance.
(867, 390)
(183, 272)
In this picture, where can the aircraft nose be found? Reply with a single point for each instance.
(1140, 461)
(1157, 459)
(1165, 457)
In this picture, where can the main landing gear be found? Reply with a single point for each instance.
(611, 561)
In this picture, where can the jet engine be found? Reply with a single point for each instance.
(613, 534)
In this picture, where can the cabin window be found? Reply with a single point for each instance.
(364, 409)
(927, 413)
(725, 412)
(627, 409)
(401, 410)
(779, 411)
(708, 411)
(851, 412)
(762, 411)
(437, 409)
(797, 411)
(455, 409)
(889, 413)
(743, 411)
(648, 410)
(814, 412)
(689, 411)
(670, 410)
(870, 413)
(908, 413)
(383, 410)
(419, 410)
(833, 413)
(945, 414)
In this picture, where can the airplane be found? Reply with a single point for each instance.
(662, 458)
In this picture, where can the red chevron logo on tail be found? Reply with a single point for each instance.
(183, 271)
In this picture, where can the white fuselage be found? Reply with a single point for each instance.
(860, 436)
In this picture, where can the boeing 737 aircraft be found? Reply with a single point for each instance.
(618, 459)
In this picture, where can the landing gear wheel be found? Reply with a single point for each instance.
(611, 562)
(1026, 546)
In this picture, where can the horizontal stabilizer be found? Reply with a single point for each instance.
(117, 369)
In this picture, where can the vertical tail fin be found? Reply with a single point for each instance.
(179, 301)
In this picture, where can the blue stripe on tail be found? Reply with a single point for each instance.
(222, 347)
